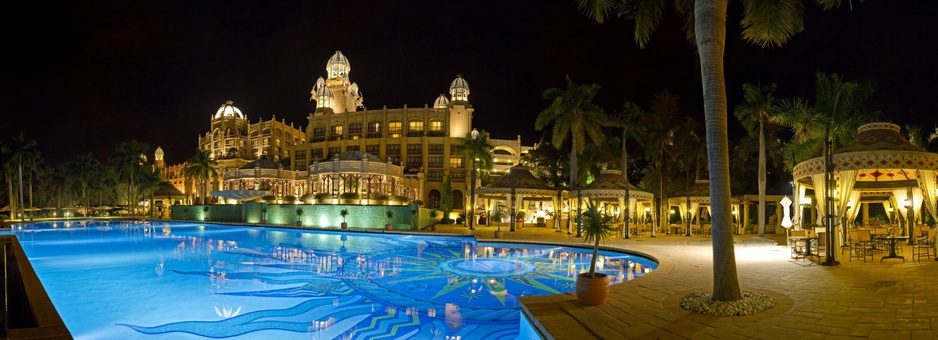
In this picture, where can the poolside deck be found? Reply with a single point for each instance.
(888, 300)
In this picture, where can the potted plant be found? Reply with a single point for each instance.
(344, 212)
(264, 215)
(349, 198)
(749, 228)
(592, 288)
(519, 218)
(389, 214)
(299, 217)
(323, 198)
(497, 215)
(433, 214)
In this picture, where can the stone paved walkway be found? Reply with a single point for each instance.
(874, 300)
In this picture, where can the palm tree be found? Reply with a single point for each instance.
(835, 116)
(692, 159)
(764, 23)
(755, 113)
(128, 158)
(478, 151)
(660, 131)
(550, 166)
(81, 172)
(19, 152)
(202, 168)
(630, 121)
(573, 115)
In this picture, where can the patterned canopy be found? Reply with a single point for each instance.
(523, 182)
(611, 184)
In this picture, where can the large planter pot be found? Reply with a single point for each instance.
(388, 226)
(433, 227)
(499, 234)
(344, 225)
(592, 291)
(299, 223)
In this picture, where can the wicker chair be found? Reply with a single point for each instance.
(924, 245)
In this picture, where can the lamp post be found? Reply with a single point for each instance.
(829, 199)
(907, 203)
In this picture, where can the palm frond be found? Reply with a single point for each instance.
(596, 9)
(646, 14)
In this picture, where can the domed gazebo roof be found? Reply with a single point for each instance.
(878, 153)
(611, 184)
(699, 192)
(523, 182)
(357, 155)
(262, 163)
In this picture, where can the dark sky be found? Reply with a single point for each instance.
(83, 76)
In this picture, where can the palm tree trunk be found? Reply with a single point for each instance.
(627, 233)
(22, 205)
(761, 179)
(9, 178)
(573, 183)
(710, 29)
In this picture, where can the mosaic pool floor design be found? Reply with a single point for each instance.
(172, 280)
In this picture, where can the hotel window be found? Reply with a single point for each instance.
(415, 128)
(414, 149)
(319, 131)
(316, 154)
(394, 126)
(374, 130)
(435, 162)
(396, 160)
(336, 130)
(435, 149)
(457, 177)
(414, 161)
(392, 149)
(436, 125)
(301, 165)
(435, 176)
(373, 149)
(455, 163)
(351, 148)
(300, 154)
(355, 128)
(455, 149)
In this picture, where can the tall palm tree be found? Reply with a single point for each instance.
(630, 122)
(128, 159)
(81, 172)
(148, 180)
(692, 157)
(764, 23)
(19, 152)
(478, 151)
(660, 132)
(755, 113)
(201, 167)
(573, 116)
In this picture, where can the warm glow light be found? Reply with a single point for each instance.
(906, 203)
(806, 201)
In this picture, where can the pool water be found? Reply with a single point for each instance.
(175, 280)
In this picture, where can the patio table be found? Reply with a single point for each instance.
(807, 243)
(892, 246)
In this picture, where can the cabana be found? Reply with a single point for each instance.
(520, 187)
(695, 202)
(610, 188)
(879, 165)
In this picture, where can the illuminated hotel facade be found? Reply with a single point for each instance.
(423, 142)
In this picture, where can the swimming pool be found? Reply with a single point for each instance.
(178, 280)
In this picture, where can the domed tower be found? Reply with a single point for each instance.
(229, 129)
(441, 102)
(459, 90)
(158, 163)
(323, 96)
(345, 95)
(460, 112)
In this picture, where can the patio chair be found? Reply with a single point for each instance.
(797, 246)
(820, 249)
(862, 246)
(923, 246)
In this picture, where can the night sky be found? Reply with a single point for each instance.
(83, 76)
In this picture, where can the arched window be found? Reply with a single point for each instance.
(433, 199)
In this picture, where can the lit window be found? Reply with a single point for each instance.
(394, 126)
(436, 125)
(415, 125)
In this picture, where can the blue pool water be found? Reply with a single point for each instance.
(174, 280)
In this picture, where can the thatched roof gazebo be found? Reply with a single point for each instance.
(520, 186)
(879, 165)
(610, 186)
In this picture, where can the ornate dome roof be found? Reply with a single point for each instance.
(879, 136)
(459, 89)
(158, 154)
(228, 111)
(357, 155)
(338, 66)
(262, 163)
(441, 102)
(323, 96)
